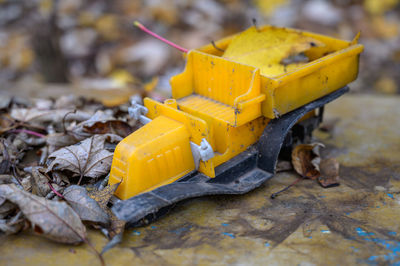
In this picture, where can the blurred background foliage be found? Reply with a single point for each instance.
(90, 46)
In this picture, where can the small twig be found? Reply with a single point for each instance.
(274, 195)
(27, 131)
(55, 191)
(216, 47)
(143, 28)
(63, 120)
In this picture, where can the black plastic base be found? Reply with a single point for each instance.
(239, 175)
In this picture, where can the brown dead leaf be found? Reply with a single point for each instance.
(101, 123)
(329, 173)
(85, 206)
(52, 219)
(305, 159)
(88, 158)
(102, 197)
(116, 228)
(42, 116)
(39, 182)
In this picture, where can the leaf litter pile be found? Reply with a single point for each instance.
(55, 157)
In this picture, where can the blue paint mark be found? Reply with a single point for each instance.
(355, 249)
(347, 213)
(378, 206)
(322, 197)
(136, 233)
(392, 233)
(310, 237)
(325, 231)
(224, 224)
(390, 195)
(393, 246)
(361, 232)
(267, 244)
(229, 234)
(153, 227)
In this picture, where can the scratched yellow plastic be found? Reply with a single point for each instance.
(332, 66)
(222, 89)
(227, 102)
(154, 155)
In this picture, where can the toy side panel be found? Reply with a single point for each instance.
(313, 81)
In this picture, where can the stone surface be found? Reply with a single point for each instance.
(356, 222)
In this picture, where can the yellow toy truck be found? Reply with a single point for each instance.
(238, 105)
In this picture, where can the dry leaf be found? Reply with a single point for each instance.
(42, 116)
(101, 123)
(329, 173)
(39, 182)
(52, 219)
(117, 227)
(102, 197)
(305, 158)
(268, 49)
(85, 206)
(56, 141)
(88, 158)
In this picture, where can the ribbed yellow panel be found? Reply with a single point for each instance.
(212, 108)
(156, 154)
(219, 79)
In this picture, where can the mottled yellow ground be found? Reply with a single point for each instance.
(357, 222)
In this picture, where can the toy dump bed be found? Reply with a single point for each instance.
(331, 64)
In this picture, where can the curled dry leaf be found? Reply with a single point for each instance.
(86, 207)
(329, 173)
(39, 182)
(43, 116)
(88, 158)
(101, 123)
(305, 158)
(52, 219)
(116, 228)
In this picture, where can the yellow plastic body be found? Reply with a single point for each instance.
(331, 67)
(154, 155)
(226, 102)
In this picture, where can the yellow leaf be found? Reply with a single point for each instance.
(268, 48)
